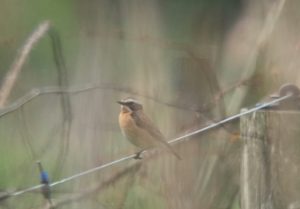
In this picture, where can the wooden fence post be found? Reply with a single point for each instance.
(255, 182)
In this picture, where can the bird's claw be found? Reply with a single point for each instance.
(138, 155)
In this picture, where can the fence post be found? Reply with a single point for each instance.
(255, 181)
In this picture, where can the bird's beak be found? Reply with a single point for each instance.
(120, 102)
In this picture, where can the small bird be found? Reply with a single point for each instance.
(139, 129)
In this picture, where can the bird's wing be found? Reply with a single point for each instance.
(146, 124)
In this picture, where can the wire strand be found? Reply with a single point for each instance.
(176, 140)
(213, 125)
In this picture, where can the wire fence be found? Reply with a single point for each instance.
(65, 103)
(185, 137)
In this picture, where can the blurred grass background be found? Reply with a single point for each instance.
(189, 62)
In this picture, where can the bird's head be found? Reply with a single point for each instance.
(130, 105)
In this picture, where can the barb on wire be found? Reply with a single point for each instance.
(176, 140)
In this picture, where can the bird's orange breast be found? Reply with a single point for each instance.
(126, 121)
(133, 133)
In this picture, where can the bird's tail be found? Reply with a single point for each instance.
(171, 150)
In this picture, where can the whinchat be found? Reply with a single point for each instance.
(139, 129)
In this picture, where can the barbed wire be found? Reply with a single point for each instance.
(132, 156)
(40, 91)
(36, 92)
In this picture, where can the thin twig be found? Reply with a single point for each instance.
(13, 73)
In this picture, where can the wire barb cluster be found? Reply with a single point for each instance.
(176, 140)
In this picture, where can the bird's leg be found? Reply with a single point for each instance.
(138, 155)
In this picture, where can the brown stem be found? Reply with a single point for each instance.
(12, 75)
